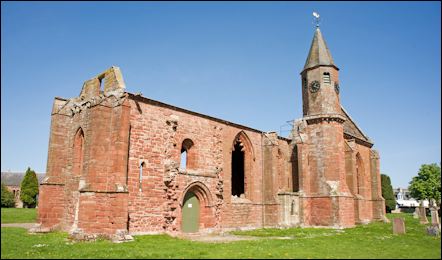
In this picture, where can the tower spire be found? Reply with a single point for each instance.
(319, 53)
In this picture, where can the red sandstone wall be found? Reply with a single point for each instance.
(157, 133)
(102, 213)
(51, 206)
(102, 169)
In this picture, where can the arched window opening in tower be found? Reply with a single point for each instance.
(238, 169)
(326, 78)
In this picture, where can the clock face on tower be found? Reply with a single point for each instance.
(337, 88)
(314, 86)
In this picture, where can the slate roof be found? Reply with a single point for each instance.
(15, 178)
(319, 53)
(352, 129)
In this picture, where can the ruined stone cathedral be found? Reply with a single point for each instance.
(120, 163)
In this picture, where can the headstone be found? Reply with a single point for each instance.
(423, 215)
(434, 217)
(416, 212)
(433, 230)
(398, 226)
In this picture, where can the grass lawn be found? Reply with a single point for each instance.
(368, 241)
(13, 215)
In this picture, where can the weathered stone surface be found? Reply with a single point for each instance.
(433, 230)
(434, 217)
(423, 215)
(416, 212)
(398, 226)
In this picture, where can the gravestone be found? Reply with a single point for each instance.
(398, 226)
(434, 217)
(423, 215)
(433, 230)
(416, 212)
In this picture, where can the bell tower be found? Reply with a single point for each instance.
(326, 199)
(320, 80)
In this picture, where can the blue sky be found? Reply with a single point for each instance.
(238, 61)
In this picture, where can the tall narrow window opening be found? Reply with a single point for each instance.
(359, 174)
(183, 161)
(78, 152)
(187, 159)
(292, 208)
(238, 169)
(140, 180)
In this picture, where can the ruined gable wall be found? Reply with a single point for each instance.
(81, 185)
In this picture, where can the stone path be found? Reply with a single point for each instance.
(22, 225)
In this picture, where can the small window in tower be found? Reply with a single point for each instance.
(304, 82)
(326, 78)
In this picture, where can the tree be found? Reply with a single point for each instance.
(387, 193)
(29, 189)
(7, 198)
(426, 185)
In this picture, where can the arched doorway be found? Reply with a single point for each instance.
(190, 213)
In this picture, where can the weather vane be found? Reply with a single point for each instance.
(316, 15)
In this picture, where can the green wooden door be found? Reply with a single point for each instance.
(190, 213)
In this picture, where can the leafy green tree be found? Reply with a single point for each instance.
(29, 189)
(426, 185)
(387, 193)
(7, 198)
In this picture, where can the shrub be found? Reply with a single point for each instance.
(387, 193)
(29, 189)
(7, 198)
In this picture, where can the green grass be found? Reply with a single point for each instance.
(369, 241)
(14, 215)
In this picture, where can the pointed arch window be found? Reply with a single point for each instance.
(78, 152)
(241, 166)
(238, 169)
